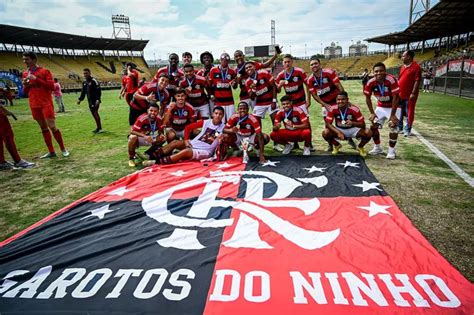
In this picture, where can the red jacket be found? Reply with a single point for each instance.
(39, 90)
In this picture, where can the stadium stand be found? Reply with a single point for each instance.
(66, 55)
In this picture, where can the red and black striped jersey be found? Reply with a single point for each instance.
(293, 85)
(240, 71)
(203, 72)
(247, 125)
(350, 113)
(220, 81)
(261, 85)
(294, 115)
(180, 117)
(174, 76)
(144, 125)
(324, 85)
(383, 91)
(195, 90)
(162, 96)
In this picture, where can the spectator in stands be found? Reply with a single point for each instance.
(91, 89)
(6, 136)
(58, 96)
(409, 81)
(39, 84)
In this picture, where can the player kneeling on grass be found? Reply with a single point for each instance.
(178, 115)
(349, 124)
(147, 131)
(6, 136)
(245, 130)
(296, 125)
(201, 147)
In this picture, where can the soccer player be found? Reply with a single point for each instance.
(201, 147)
(147, 131)
(296, 126)
(187, 58)
(58, 96)
(222, 80)
(261, 90)
(324, 86)
(385, 88)
(39, 84)
(292, 80)
(349, 123)
(91, 89)
(242, 75)
(207, 60)
(195, 86)
(409, 81)
(174, 74)
(7, 137)
(178, 115)
(150, 93)
(245, 130)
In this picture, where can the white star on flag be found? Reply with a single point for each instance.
(374, 209)
(119, 191)
(367, 186)
(99, 212)
(313, 169)
(225, 165)
(178, 173)
(349, 164)
(270, 163)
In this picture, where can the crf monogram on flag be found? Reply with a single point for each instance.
(297, 235)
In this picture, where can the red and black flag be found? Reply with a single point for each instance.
(298, 235)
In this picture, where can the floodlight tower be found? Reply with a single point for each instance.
(417, 9)
(273, 33)
(121, 25)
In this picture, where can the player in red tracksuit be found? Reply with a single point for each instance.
(7, 138)
(39, 84)
(296, 126)
(349, 123)
(222, 80)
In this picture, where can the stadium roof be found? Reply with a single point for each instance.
(33, 37)
(447, 18)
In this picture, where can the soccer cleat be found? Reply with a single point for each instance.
(336, 149)
(277, 148)
(352, 144)
(65, 153)
(131, 163)
(362, 151)
(24, 164)
(6, 166)
(391, 155)
(407, 132)
(312, 148)
(306, 151)
(329, 148)
(376, 150)
(288, 148)
(48, 155)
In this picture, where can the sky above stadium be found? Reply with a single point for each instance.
(303, 27)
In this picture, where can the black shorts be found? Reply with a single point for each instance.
(94, 108)
(129, 97)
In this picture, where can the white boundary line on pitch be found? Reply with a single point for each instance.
(468, 179)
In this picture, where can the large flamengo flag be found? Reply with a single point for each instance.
(298, 235)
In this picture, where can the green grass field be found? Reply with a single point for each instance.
(437, 201)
